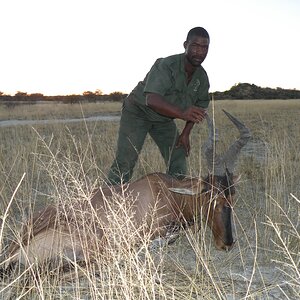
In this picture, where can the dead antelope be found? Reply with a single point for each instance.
(54, 233)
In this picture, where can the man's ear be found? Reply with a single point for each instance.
(185, 44)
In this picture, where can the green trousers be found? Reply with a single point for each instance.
(134, 127)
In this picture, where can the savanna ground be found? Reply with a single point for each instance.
(63, 163)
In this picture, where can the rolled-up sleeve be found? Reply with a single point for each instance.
(203, 98)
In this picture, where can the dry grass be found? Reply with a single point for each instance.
(56, 110)
(63, 164)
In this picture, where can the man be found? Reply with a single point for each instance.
(176, 87)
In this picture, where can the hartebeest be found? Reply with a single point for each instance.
(156, 200)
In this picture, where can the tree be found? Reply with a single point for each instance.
(116, 96)
(88, 94)
(98, 92)
(21, 96)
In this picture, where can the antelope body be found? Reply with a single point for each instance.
(156, 201)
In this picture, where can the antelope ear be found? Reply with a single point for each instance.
(182, 191)
(237, 178)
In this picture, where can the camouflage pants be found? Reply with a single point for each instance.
(134, 127)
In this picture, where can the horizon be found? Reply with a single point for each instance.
(100, 93)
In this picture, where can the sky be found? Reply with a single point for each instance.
(63, 47)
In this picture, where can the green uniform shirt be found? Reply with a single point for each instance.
(167, 77)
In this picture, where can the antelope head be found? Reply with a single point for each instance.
(219, 184)
(218, 188)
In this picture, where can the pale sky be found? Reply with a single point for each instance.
(59, 47)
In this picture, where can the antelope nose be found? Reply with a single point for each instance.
(224, 247)
(227, 247)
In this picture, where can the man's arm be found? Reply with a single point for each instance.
(160, 105)
(184, 138)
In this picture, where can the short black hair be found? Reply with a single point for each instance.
(197, 31)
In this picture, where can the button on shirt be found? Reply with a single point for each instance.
(168, 78)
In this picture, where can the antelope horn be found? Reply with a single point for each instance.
(214, 162)
(229, 158)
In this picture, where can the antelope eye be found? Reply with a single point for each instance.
(218, 208)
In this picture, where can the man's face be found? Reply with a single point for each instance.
(196, 50)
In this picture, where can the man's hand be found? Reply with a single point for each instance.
(184, 141)
(160, 105)
(194, 114)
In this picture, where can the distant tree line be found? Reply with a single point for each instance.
(238, 91)
(252, 91)
(86, 96)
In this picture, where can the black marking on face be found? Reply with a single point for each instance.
(226, 218)
(222, 183)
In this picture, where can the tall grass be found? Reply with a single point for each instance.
(62, 165)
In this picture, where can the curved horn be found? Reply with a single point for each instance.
(230, 157)
(214, 161)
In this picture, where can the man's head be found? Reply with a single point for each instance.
(196, 46)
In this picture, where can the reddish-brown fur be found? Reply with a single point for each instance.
(52, 235)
